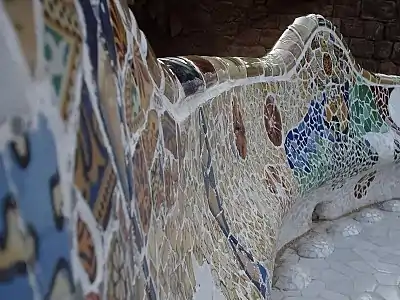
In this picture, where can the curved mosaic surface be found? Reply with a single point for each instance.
(124, 176)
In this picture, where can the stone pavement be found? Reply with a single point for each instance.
(356, 257)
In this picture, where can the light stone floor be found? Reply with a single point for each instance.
(356, 257)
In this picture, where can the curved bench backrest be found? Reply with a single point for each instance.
(123, 176)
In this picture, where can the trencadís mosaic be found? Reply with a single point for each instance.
(123, 176)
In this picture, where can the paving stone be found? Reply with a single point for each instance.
(328, 295)
(289, 256)
(314, 263)
(277, 294)
(385, 268)
(341, 285)
(329, 275)
(346, 228)
(365, 283)
(387, 278)
(388, 292)
(315, 245)
(362, 267)
(366, 254)
(291, 278)
(391, 205)
(390, 259)
(368, 296)
(368, 215)
(313, 289)
(345, 270)
(343, 255)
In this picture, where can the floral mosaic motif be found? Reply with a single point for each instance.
(135, 183)
(273, 121)
(337, 124)
(362, 186)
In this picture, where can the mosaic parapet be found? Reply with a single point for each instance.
(200, 74)
(124, 176)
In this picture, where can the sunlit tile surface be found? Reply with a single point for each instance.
(124, 176)
(364, 266)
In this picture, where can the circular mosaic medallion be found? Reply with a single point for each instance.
(238, 128)
(273, 121)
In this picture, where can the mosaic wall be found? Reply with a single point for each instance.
(152, 178)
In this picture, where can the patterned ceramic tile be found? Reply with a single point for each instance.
(119, 32)
(40, 247)
(208, 70)
(94, 177)
(142, 79)
(62, 40)
(188, 75)
(111, 115)
(220, 67)
(22, 14)
(187, 174)
(236, 67)
(171, 83)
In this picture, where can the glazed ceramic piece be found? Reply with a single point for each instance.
(131, 177)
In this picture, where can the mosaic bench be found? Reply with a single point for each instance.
(123, 176)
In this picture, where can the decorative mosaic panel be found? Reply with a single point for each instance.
(124, 176)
